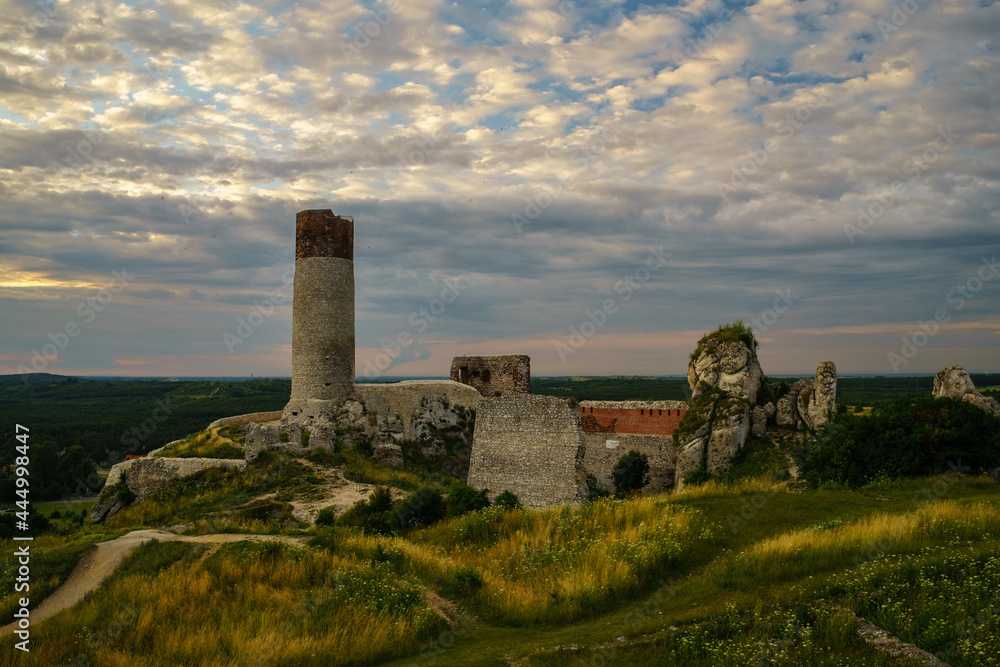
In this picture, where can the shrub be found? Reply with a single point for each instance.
(594, 492)
(305, 438)
(507, 501)
(465, 581)
(906, 438)
(364, 448)
(421, 508)
(697, 477)
(463, 499)
(372, 515)
(326, 517)
(630, 474)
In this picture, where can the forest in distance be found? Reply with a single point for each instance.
(78, 424)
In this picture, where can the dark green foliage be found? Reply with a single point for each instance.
(507, 500)
(305, 438)
(734, 332)
(123, 492)
(906, 438)
(372, 515)
(326, 517)
(324, 457)
(697, 477)
(463, 499)
(364, 448)
(464, 581)
(421, 508)
(125, 417)
(630, 474)
(594, 492)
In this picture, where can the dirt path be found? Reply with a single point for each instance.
(98, 565)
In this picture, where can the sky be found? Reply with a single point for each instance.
(594, 184)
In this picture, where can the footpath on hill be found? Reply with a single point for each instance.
(98, 565)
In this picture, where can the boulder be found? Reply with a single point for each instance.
(770, 409)
(758, 421)
(785, 413)
(819, 401)
(135, 480)
(954, 382)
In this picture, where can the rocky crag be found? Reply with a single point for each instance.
(811, 401)
(724, 376)
(954, 382)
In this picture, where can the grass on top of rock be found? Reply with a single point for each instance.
(734, 332)
(210, 444)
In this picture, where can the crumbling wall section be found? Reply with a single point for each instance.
(497, 375)
(602, 452)
(531, 446)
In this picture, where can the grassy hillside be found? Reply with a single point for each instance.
(738, 571)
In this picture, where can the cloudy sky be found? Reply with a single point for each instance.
(593, 183)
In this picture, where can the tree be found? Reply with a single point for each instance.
(630, 474)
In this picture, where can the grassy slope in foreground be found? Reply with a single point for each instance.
(752, 557)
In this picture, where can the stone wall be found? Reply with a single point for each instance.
(146, 476)
(531, 446)
(638, 417)
(498, 375)
(603, 450)
(243, 420)
(411, 399)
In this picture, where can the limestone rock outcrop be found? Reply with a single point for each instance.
(144, 477)
(758, 421)
(954, 382)
(818, 401)
(724, 376)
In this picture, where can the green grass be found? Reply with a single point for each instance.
(737, 571)
(207, 444)
(52, 559)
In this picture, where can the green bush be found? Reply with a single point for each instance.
(594, 492)
(372, 515)
(463, 499)
(906, 438)
(697, 477)
(421, 508)
(507, 501)
(326, 517)
(630, 474)
(465, 581)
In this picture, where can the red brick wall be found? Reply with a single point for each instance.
(634, 420)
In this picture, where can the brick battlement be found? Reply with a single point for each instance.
(636, 417)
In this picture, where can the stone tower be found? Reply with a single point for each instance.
(322, 315)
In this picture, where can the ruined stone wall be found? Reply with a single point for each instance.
(603, 450)
(243, 420)
(531, 446)
(638, 417)
(498, 375)
(411, 398)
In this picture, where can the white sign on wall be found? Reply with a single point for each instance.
(611, 444)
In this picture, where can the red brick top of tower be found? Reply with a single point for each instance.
(321, 233)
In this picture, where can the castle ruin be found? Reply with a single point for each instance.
(496, 375)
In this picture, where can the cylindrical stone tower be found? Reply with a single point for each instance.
(322, 314)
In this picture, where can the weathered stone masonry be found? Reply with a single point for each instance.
(496, 375)
(531, 446)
